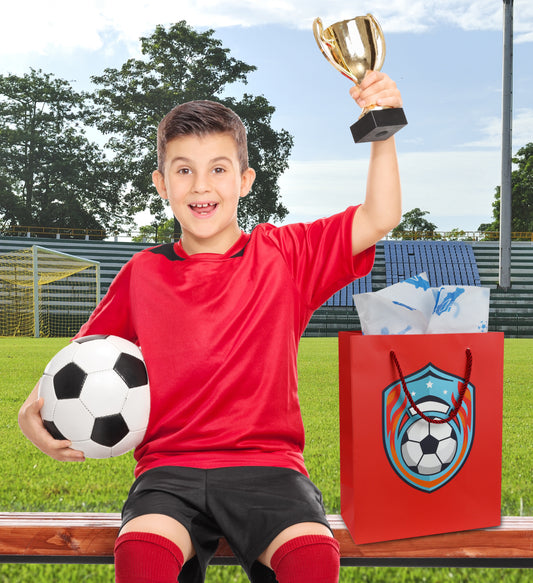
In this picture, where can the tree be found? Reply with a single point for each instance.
(521, 195)
(414, 226)
(51, 174)
(156, 232)
(179, 64)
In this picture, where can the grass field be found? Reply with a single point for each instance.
(32, 481)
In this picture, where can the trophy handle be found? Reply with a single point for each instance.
(324, 46)
(379, 33)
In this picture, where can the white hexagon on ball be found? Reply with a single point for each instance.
(429, 464)
(418, 430)
(440, 431)
(47, 392)
(104, 393)
(446, 450)
(93, 450)
(411, 453)
(96, 355)
(73, 419)
(136, 410)
(61, 359)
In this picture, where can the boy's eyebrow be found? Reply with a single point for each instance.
(179, 159)
(189, 160)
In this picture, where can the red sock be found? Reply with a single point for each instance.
(143, 557)
(307, 559)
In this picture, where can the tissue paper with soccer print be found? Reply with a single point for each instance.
(413, 307)
(459, 309)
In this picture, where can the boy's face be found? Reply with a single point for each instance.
(203, 183)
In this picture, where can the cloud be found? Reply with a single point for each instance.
(457, 188)
(492, 131)
(35, 26)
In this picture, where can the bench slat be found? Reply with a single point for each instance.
(90, 537)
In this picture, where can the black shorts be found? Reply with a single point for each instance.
(249, 506)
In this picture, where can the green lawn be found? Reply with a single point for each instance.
(32, 481)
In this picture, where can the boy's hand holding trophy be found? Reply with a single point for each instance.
(355, 47)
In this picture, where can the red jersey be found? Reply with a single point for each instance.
(220, 334)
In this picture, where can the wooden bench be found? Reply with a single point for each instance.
(48, 537)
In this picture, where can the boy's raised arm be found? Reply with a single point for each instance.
(382, 209)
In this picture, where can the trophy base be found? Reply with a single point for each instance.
(378, 125)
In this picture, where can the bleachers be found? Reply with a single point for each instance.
(344, 297)
(446, 263)
(511, 311)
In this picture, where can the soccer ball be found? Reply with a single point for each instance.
(96, 395)
(428, 448)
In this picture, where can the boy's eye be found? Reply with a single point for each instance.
(219, 170)
(184, 170)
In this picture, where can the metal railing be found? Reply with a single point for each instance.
(456, 235)
(75, 233)
(52, 232)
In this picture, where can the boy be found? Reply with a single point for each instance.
(218, 316)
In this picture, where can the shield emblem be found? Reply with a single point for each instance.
(426, 455)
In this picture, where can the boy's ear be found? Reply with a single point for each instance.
(247, 179)
(159, 182)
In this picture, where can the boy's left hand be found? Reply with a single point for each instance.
(377, 88)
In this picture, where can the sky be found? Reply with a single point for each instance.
(446, 57)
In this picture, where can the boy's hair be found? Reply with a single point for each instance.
(201, 118)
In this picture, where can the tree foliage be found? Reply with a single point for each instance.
(179, 64)
(414, 226)
(521, 195)
(156, 233)
(51, 173)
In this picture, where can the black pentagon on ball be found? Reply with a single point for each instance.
(109, 430)
(132, 370)
(52, 429)
(429, 444)
(68, 382)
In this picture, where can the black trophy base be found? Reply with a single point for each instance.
(378, 125)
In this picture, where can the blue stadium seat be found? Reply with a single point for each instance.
(344, 297)
(445, 262)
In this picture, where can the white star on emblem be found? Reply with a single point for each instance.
(429, 384)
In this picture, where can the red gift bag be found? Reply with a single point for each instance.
(420, 433)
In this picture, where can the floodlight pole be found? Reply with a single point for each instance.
(507, 136)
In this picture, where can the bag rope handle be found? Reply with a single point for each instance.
(462, 390)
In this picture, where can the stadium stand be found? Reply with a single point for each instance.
(445, 262)
(511, 310)
(466, 263)
(344, 297)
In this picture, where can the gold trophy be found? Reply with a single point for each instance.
(354, 47)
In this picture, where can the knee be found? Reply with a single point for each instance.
(309, 559)
(144, 557)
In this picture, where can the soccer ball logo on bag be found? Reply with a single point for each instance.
(428, 455)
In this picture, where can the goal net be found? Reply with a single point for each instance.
(46, 293)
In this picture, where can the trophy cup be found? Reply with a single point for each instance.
(354, 47)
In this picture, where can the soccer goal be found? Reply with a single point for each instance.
(45, 292)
